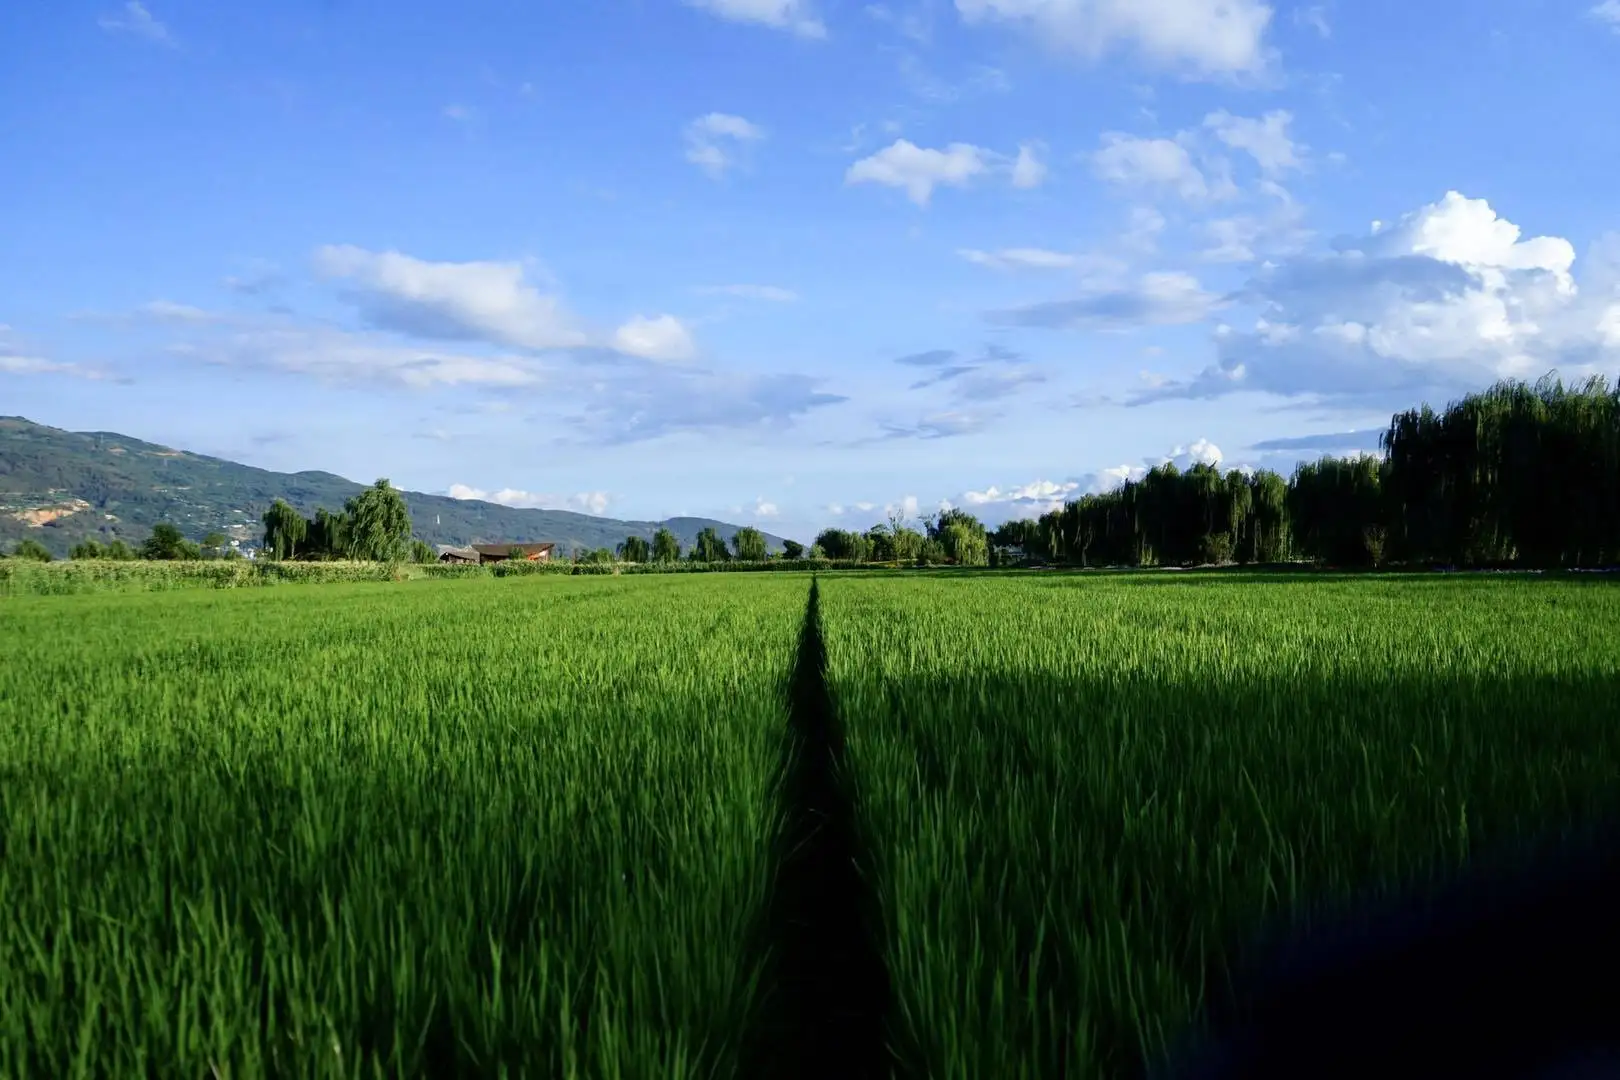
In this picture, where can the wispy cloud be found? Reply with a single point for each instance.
(712, 141)
(770, 293)
(794, 16)
(135, 19)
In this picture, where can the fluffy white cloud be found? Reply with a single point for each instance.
(135, 19)
(711, 141)
(343, 357)
(1247, 237)
(763, 508)
(1135, 162)
(917, 170)
(585, 502)
(1447, 298)
(771, 293)
(1028, 170)
(1204, 37)
(483, 300)
(1200, 452)
(663, 337)
(795, 16)
(1608, 11)
(1020, 259)
(1024, 501)
(1156, 299)
(1265, 139)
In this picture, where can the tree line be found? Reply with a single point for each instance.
(1517, 475)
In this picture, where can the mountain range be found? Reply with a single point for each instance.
(60, 487)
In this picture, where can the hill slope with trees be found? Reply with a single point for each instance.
(62, 487)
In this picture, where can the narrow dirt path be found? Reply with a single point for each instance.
(826, 985)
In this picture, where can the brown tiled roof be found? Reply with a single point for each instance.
(502, 549)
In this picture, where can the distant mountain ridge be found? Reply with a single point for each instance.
(59, 487)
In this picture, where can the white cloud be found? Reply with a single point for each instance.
(461, 114)
(344, 357)
(1023, 501)
(661, 337)
(16, 364)
(1020, 259)
(1248, 237)
(1156, 299)
(771, 293)
(1608, 11)
(765, 509)
(795, 16)
(594, 503)
(1135, 162)
(483, 300)
(1449, 297)
(711, 141)
(135, 19)
(905, 165)
(1265, 139)
(15, 360)
(168, 311)
(1200, 452)
(1028, 171)
(1203, 37)
(1315, 17)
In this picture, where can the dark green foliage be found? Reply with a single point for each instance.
(635, 549)
(167, 543)
(792, 549)
(665, 548)
(749, 544)
(1524, 473)
(31, 549)
(1519, 474)
(422, 553)
(709, 547)
(87, 549)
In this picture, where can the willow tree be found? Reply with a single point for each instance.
(378, 524)
(284, 529)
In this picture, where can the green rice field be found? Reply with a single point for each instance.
(532, 827)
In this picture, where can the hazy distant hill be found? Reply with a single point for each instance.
(61, 486)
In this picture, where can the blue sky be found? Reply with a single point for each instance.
(796, 262)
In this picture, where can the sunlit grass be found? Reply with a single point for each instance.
(496, 828)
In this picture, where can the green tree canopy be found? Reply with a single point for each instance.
(709, 547)
(792, 549)
(167, 542)
(379, 524)
(284, 530)
(665, 548)
(422, 553)
(88, 548)
(31, 549)
(749, 544)
(635, 549)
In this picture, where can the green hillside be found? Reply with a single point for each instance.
(59, 487)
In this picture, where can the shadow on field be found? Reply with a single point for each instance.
(1501, 965)
(1506, 970)
(827, 991)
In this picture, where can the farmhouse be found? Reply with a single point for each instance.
(490, 553)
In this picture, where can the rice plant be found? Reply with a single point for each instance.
(1081, 793)
(476, 827)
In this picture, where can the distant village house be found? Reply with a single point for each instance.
(492, 553)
